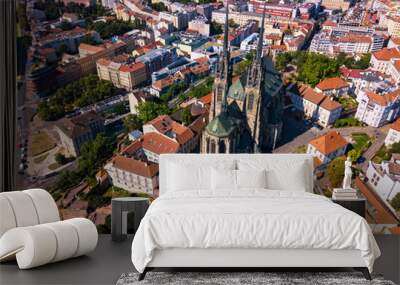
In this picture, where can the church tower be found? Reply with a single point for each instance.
(254, 107)
(222, 132)
(223, 78)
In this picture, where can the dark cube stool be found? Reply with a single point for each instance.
(119, 215)
(356, 205)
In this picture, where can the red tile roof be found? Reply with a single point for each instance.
(396, 125)
(350, 73)
(310, 95)
(329, 104)
(132, 148)
(206, 99)
(91, 48)
(157, 143)
(183, 134)
(137, 167)
(329, 142)
(132, 67)
(386, 54)
(383, 99)
(332, 83)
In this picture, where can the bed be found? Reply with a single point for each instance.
(247, 211)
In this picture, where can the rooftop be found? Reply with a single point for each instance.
(158, 143)
(332, 83)
(145, 169)
(386, 54)
(329, 142)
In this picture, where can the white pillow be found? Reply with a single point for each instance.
(184, 176)
(251, 178)
(223, 179)
(281, 175)
(292, 180)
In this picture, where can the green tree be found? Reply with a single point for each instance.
(88, 90)
(335, 171)
(215, 29)
(241, 67)
(187, 118)
(354, 154)
(395, 148)
(132, 122)
(147, 111)
(174, 90)
(282, 60)
(160, 7)
(112, 28)
(232, 24)
(88, 40)
(395, 202)
(94, 153)
(61, 159)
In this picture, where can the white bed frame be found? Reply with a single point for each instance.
(250, 258)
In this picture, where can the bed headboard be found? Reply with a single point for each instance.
(204, 159)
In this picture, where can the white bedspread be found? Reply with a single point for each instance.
(250, 219)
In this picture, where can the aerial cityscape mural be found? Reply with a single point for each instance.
(105, 87)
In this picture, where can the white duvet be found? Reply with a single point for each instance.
(252, 218)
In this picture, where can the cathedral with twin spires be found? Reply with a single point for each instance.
(246, 112)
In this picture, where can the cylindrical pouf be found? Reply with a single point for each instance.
(45, 206)
(67, 240)
(87, 235)
(34, 245)
(7, 218)
(23, 208)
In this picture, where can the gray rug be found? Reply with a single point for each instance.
(244, 278)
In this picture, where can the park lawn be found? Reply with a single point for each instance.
(41, 142)
(361, 141)
(347, 122)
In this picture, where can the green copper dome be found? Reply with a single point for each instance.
(221, 126)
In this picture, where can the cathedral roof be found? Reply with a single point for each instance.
(222, 126)
(272, 78)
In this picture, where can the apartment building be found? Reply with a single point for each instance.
(357, 44)
(334, 86)
(87, 49)
(200, 25)
(376, 109)
(314, 105)
(343, 5)
(394, 70)
(157, 58)
(393, 135)
(327, 147)
(133, 175)
(393, 25)
(384, 178)
(123, 75)
(380, 59)
(172, 130)
(76, 131)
